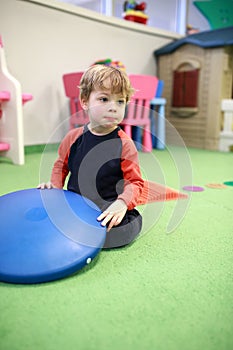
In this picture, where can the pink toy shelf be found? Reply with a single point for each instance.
(11, 113)
(4, 96)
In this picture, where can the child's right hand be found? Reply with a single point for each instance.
(45, 185)
(113, 214)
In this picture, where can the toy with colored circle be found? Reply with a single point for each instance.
(216, 185)
(193, 188)
(228, 183)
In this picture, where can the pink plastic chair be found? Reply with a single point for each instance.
(138, 110)
(71, 82)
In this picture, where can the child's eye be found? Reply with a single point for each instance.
(121, 102)
(103, 99)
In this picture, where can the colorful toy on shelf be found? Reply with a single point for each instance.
(110, 62)
(191, 30)
(135, 12)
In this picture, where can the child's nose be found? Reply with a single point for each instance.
(113, 106)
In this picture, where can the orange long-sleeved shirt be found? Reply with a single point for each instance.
(100, 164)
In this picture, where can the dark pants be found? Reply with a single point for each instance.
(126, 232)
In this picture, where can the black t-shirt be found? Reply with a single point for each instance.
(95, 167)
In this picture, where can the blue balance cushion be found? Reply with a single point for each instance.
(47, 235)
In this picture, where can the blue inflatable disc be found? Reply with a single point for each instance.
(46, 235)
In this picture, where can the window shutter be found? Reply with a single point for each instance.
(185, 88)
(178, 84)
(191, 88)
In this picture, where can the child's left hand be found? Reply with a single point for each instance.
(113, 214)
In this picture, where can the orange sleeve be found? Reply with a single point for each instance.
(60, 168)
(133, 182)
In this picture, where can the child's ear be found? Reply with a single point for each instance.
(84, 104)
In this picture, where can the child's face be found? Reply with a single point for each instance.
(105, 110)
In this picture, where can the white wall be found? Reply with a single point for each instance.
(43, 39)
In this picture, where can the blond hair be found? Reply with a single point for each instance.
(95, 77)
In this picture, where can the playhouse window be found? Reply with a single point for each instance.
(185, 88)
